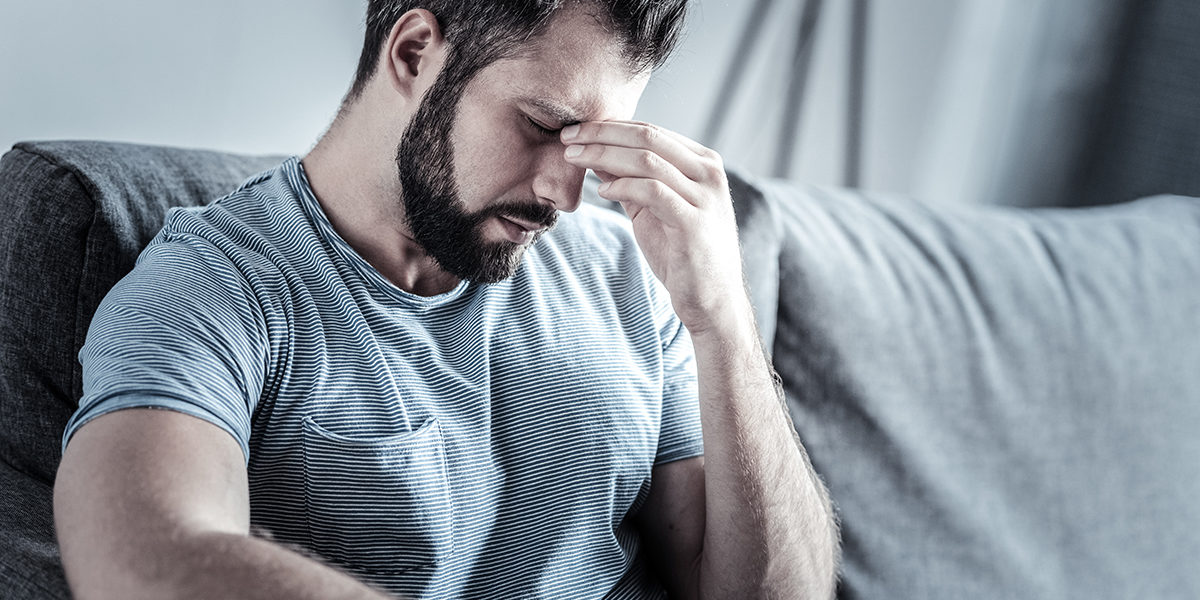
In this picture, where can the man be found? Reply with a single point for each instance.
(381, 359)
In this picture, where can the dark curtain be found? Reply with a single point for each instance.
(1083, 102)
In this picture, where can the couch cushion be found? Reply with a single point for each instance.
(1004, 404)
(76, 216)
(29, 563)
(760, 233)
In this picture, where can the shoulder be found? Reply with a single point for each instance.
(258, 209)
(260, 232)
(233, 252)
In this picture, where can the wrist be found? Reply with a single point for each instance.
(731, 326)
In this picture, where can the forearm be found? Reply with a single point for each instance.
(768, 530)
(224, 565)
(769, 525)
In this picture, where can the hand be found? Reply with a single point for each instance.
(677, 196)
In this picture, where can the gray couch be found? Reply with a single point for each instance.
(1004, 403)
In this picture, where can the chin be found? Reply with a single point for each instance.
(502, 262)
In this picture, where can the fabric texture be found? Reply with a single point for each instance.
(491, 441)
(1145, 137)
(1003, 403)
(76, 215)
(760, 234)
(29, 561)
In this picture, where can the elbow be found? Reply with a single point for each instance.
(152, 571)
(102, 566)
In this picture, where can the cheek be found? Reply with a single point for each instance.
(491, 159)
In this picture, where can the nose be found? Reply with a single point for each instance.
(556, 181)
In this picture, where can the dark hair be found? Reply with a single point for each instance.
(480, 32)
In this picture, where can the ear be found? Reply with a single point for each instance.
(415, 52)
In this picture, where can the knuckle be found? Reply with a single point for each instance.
(648, 135)
(714, 170)
(659, 190)
(647, 160)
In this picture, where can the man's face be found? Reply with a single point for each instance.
(483, 175)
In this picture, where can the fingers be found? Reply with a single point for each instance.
(645, 167)
(638, 194)
(687, 142)
(688, 157)
(617, 162)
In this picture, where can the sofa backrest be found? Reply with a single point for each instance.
(76, 215)
(1004, 403)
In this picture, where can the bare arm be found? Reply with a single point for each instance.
(770, 524)
(741, 522)
(750, 520)
(155, 504)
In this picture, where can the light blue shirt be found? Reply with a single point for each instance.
(490, 442)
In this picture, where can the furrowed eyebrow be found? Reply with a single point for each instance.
(563, 115)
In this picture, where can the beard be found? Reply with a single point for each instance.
(434, 212)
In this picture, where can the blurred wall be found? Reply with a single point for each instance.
(267, 76)
(908, 43)
(255, 77)
(1067, 103)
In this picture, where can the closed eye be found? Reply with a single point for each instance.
(546, 131)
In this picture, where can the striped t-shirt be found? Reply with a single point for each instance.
(490, 442)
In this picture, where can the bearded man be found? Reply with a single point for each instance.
(412, 363)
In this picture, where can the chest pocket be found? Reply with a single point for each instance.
(378, 505)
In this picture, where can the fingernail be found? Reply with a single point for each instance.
(569, 132)
(604, 187)
(573, 151)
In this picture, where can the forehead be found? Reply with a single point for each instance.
(575, 71)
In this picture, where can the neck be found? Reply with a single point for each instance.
(352, 172)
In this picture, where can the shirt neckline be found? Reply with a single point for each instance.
(312, 208)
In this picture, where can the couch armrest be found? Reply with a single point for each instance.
(30, 567)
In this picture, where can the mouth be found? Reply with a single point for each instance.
(520, 231)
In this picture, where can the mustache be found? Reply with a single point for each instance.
(534, 212)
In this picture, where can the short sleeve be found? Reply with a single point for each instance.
(680, 434)
(181, 332)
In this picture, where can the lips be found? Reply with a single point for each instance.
(523, 224)
(520, 231)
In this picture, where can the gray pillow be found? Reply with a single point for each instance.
(1004, 404)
